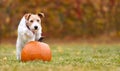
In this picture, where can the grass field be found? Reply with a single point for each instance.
(66, 57)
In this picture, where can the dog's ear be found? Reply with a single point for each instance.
(41, 15)
(27, 16)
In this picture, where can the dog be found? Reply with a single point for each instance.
(29, 29)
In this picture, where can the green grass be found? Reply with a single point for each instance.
(66, 57)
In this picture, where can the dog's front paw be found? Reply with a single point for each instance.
(41, 39)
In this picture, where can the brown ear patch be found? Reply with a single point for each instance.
(27, 16)
(41, 15)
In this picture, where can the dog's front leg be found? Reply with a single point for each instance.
(38, 36)
(29, 34)
(25, 33)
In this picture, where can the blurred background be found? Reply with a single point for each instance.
(64, 19)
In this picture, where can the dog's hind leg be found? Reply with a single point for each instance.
(18, 50)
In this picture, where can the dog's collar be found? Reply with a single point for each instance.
(27, 27)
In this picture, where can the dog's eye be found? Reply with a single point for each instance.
(31, 21)
(38, 20)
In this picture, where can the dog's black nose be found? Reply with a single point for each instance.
(36, 27)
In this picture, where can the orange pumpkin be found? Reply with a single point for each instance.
(36, 51)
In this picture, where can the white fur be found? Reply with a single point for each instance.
(25, 35)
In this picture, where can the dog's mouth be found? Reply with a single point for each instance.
(34, 30)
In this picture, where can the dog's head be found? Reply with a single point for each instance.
(33, 21)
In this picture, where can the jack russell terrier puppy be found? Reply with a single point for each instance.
(29, 29)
